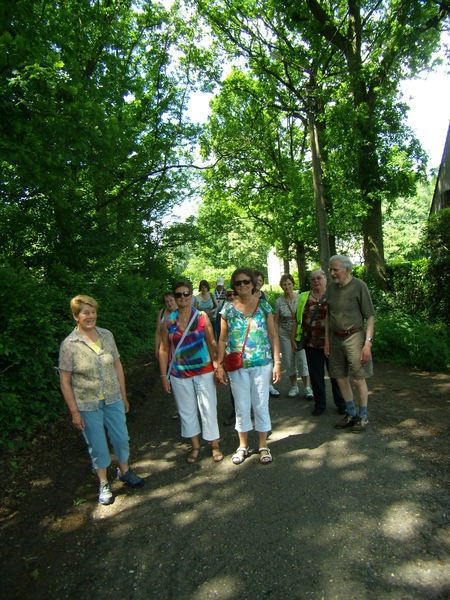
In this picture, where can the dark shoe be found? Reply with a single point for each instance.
(347, 421)
(130, 478)
(231, 420)
(317, 411)
(216, 453)
(360, 425)
(342, 410)
(105, 495)
(193, 455)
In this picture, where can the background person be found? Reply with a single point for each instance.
(259, 283)
(315, 344)
(293, 362)
(219, 291)
(192, 371)
(250, 384)
(230, 296)
(206, 301)
(170, 306)
(258, 293)
(347, 343)
(93, 386)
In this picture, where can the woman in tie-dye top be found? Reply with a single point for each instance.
(191, 377)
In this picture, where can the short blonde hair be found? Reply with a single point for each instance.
(76, 303)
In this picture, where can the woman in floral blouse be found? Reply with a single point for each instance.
(250, 384)
(93, 386)
(293, 362)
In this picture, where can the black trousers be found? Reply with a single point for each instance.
(316, 365)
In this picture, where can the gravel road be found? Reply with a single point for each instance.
(335, 516)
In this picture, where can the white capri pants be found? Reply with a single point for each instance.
(293, 362)
(250, 388)
(192, 393)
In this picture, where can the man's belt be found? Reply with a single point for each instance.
(346, 333)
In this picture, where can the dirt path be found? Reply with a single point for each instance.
(335, 516)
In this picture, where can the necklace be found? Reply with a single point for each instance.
(182, 317)
(316, 299)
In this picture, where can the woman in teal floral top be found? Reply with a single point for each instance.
(250, 385)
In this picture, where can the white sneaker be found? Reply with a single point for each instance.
(273, 391)
(309, 394)
(293, 391)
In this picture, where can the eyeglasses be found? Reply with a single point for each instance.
(230, 294)
(316, 278)
(181, 294)
(243, 282)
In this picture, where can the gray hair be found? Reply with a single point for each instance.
(321, 271)
(346, 262)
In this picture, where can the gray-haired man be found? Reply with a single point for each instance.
(347, 343)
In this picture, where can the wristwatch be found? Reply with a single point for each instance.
(369, 339)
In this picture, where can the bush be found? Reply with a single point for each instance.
(29, 341)
(408, 340)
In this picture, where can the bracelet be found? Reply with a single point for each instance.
(163, 375)
(277, 362)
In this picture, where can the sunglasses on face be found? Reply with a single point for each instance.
(243, 282)
(181, 294)
(231, 294)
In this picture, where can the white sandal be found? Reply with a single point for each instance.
(237, 459)
(265, 456)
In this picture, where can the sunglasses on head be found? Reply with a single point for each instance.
(243, 282)
(181, 294)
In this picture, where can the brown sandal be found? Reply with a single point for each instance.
(217, 455)
(193, 455)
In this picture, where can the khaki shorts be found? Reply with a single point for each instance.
(345, 354)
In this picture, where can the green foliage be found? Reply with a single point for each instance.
(95, 146)
(29, 342)
(272, 292)
(261, 183)
(408, 340)
(412, 323)
(403, 226)
(436, 240)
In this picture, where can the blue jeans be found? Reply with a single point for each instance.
(316, 364)
(111, 416)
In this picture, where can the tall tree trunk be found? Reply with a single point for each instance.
(323, 156)
(364, 101)
(285, 266)
(301, 264)
(373, 245)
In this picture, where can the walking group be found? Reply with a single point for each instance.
(229, 337)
